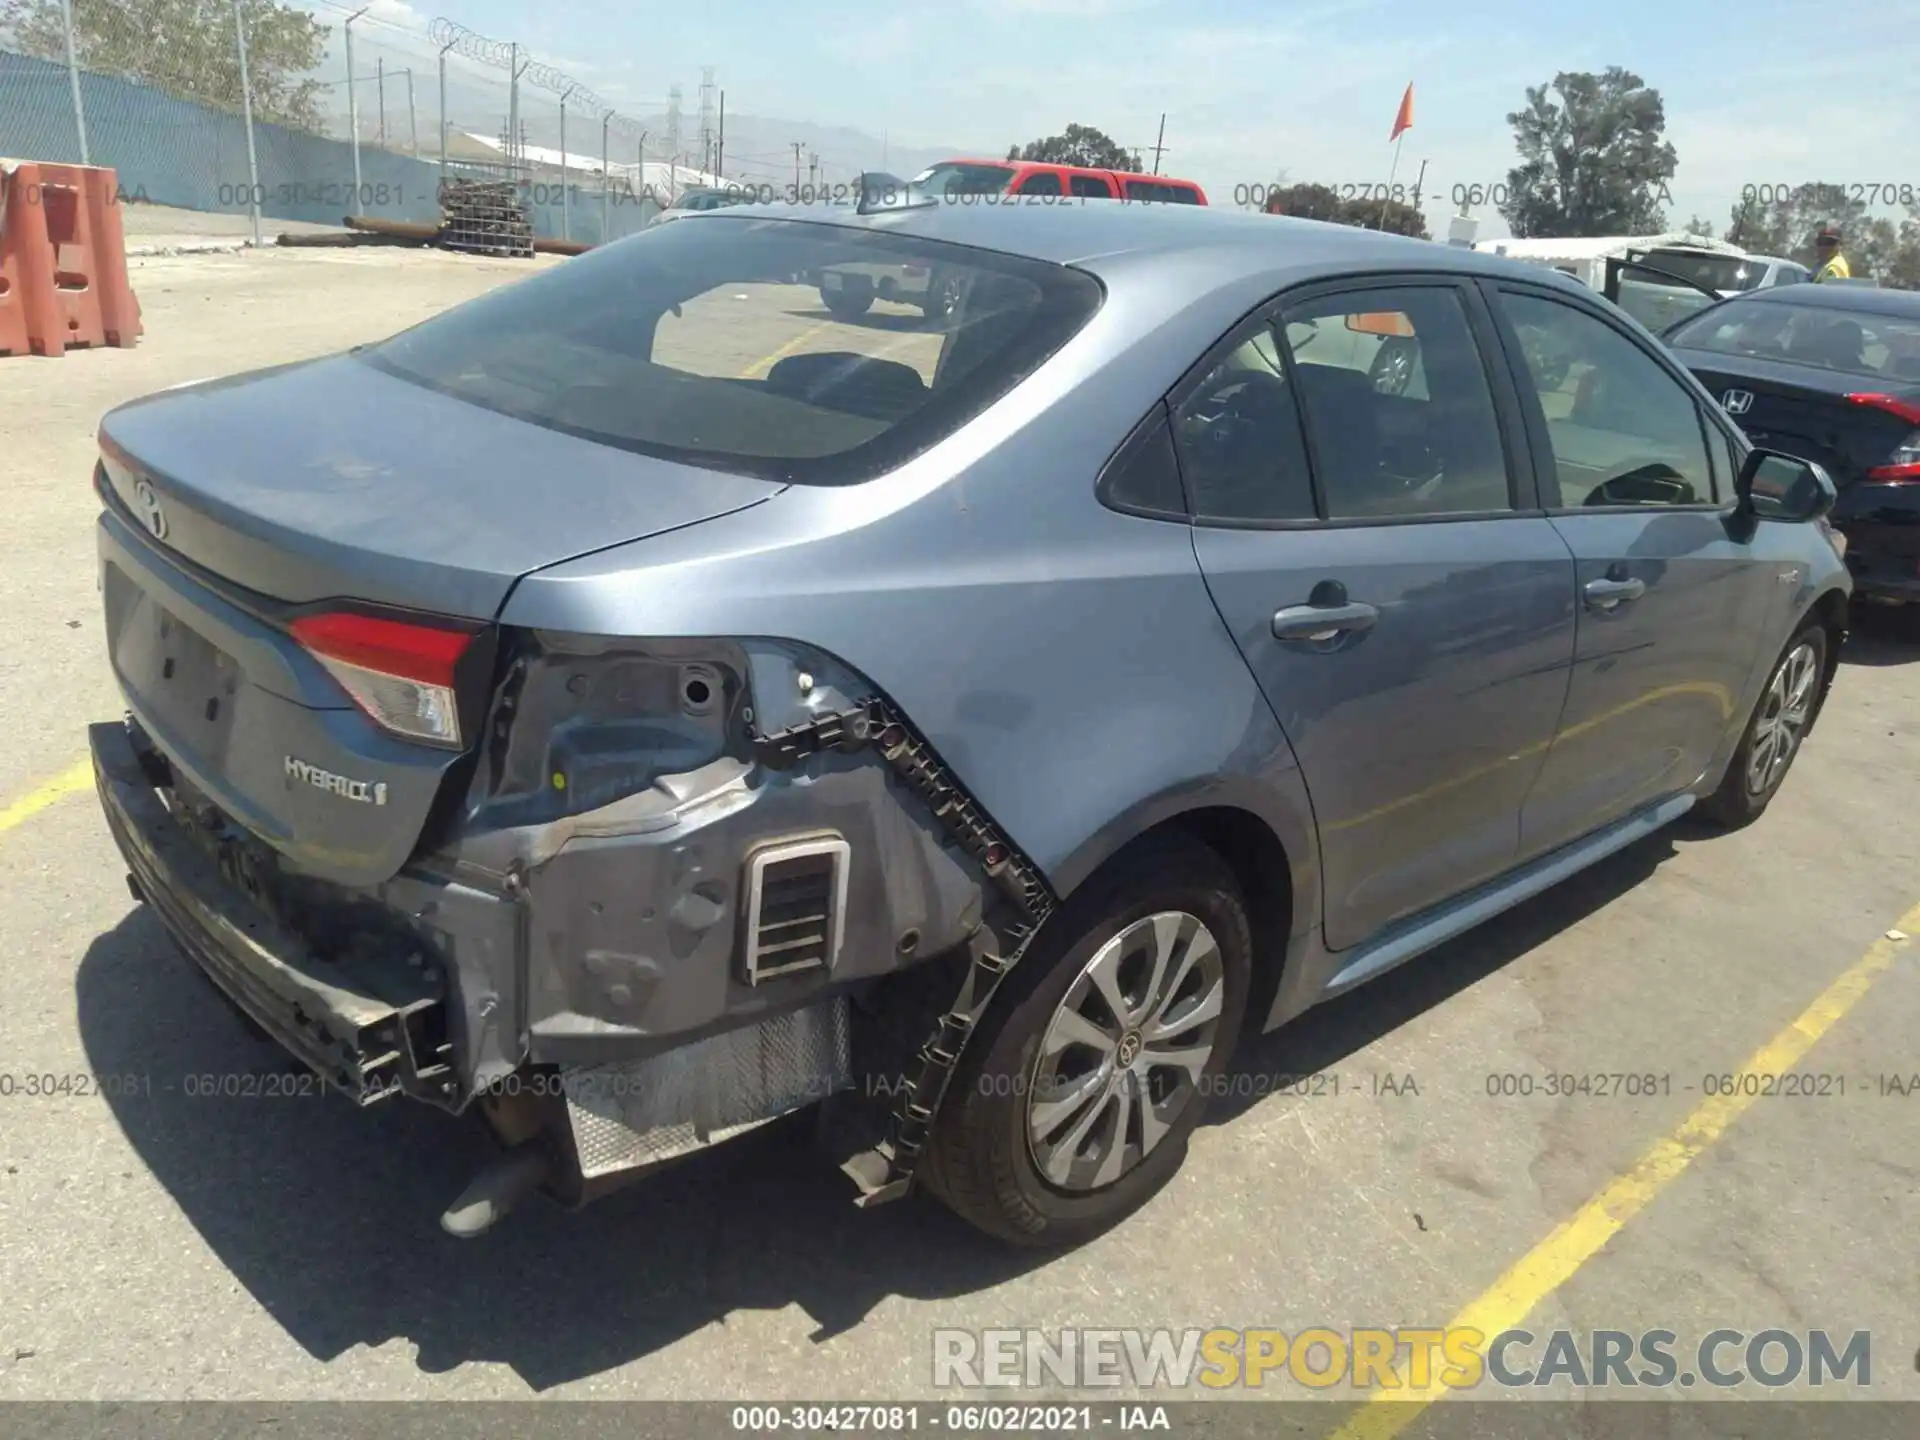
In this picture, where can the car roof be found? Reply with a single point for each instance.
(1860, 299)
(1089, 234)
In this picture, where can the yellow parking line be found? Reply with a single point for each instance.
(1551, 1263)
(759, 368)
(75, 778)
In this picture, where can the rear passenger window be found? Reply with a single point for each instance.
(1397, 402)
(1239, 441)
(1091, 186)
(1624, 432)
(1155, 191)
(1041, 182)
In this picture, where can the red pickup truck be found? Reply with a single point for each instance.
(1031, 177)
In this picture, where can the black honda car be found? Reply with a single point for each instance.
(1830, 373)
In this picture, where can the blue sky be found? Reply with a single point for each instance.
(1777, 92)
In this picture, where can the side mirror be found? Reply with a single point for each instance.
(1773, 486)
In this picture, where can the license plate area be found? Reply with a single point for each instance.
(186, 683)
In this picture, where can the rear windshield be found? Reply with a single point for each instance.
(955, 179)
(801, 352)
(1854, 342)
(1725, 273)
(1154, 190)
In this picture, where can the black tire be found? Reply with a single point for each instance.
(1749, 785)
(942, 302)
(980, 1163)
(851, 300)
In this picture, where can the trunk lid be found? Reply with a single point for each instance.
(233, 509)
(1805, 411)
(332, 478)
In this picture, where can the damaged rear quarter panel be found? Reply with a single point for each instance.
(616, 800)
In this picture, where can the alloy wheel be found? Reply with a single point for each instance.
(1393, 368)
(1784, 713)
(1124, 1053)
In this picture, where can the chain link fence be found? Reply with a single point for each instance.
(257, 108)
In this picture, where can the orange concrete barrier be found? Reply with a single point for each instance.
(63, 253)
(13, 314)
(119, 307)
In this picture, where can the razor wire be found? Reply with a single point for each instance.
(458, 39)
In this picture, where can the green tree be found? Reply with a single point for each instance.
(1323, 202)
(1593, 160)
(1701, 226)
(1079, 145)
(186, 48)
(1785, 224)
(1305, 202)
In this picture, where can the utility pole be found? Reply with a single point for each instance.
(566, 191)
(73, 79)
(380, 88)
(606, 177)
(796, 169)
(443, 107)
(413, 118)
(246, 110)
(1158, 144)
(353, 103)
(1419, 181)
(813, 169)
(720, 148)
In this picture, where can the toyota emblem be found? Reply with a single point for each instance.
(150, 511)
(1737, 402)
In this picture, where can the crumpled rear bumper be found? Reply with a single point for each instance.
(371, 1039)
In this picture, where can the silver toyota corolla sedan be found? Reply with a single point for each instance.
(641, 702)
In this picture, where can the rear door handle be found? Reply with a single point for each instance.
(1319, 623)
(1610, 594)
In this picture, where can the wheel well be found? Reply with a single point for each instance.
(1265, 877)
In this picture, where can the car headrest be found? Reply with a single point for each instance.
(842, 380)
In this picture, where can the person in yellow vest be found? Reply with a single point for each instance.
(1826, 248)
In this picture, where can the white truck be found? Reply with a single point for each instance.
(1702, 268)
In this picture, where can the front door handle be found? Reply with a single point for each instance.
(1610, 593)
(1316, 624)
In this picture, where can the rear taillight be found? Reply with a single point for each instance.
(1904, 463)
(1907, 410)
(399, 672)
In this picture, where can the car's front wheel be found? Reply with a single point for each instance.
(851, 300)
(1077, 1095)
(1775, 731)
(942, 303)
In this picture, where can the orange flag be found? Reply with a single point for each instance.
(1404, 120)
